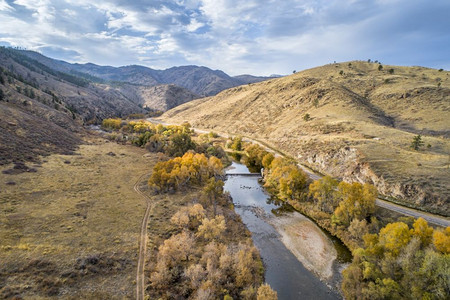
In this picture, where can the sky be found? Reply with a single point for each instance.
(258, 37)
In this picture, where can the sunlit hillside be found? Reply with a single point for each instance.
(354, 120)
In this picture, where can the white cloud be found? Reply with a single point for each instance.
(194, 25)
(5, 6)
(253, 36)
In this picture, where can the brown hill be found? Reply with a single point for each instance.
(352, 120)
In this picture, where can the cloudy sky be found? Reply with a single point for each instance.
(259, 37)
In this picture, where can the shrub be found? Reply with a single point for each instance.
(307, 117)
(213, 135)
(316, 103)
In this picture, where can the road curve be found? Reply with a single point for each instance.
(140, 282)
(430, 218)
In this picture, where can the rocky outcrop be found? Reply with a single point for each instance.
(346, 164)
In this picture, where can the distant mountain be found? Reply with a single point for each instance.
(199, 80)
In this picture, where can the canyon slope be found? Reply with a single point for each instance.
(354, 120)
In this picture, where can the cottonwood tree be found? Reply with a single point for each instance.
(286, 180)
(189, 217)
(441, 240)
(357, 202)
(213, 190)
(324, 193)
(212, 229)
(397, 264)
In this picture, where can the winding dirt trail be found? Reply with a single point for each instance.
(140, 286)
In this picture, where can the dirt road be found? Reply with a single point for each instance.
(140, 282)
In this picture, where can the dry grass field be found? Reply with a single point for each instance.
(70, 230)
(351, 120)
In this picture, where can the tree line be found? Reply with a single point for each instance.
(198, 262)
(203, 259)
(173, 140)
(394, 261)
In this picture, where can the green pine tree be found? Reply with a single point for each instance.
(417, 142)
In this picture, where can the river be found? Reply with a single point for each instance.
(295, 252)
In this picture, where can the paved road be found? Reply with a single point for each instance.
(430, 218)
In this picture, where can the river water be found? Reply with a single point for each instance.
(284, 271)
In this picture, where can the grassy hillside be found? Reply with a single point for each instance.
(353, 120)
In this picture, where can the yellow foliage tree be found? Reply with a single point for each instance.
(112, 123)
(358, 202)
(190, 168)
(422, 231)
(394, 237)
(441, 240)
(324, 192)
(212, 229)
(247, 268)
(286, 180)
(267, 160)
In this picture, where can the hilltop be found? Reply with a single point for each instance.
(353, 120)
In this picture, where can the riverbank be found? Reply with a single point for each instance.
(299, 258)
(307, 242)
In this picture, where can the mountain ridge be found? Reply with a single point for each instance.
(199, 80)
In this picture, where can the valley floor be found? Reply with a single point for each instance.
(71, 229)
